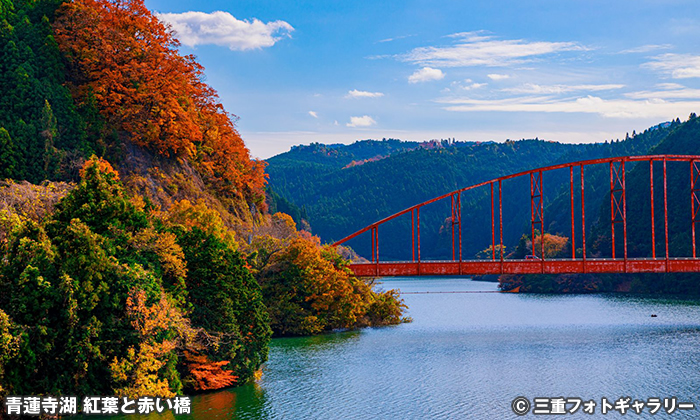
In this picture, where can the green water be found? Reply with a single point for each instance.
(468, 355)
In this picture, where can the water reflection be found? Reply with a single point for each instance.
(468, 355)
(247, 402)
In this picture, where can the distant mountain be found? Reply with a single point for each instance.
(682, 140)
(339, 197)
(340, 155)
(674, 138)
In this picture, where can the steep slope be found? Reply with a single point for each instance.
(42, 133)
(120, 287)
(65, 95)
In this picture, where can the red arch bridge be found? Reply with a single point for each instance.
(659, 262)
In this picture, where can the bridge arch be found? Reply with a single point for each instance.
(659, 262)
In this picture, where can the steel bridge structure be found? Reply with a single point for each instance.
(659, 262)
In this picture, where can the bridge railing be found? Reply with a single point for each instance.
(540, 264)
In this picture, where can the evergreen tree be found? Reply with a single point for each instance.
(227, 299)
(7, 155)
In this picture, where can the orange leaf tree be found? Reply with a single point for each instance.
(309, 289)
(205, 374)
(126, 61)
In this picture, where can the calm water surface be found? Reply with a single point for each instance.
(466, 356)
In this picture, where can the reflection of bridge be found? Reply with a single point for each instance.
(657, 263)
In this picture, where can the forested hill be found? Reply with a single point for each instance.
(339, 155)
(76, 81)
(679, 139)
(338, 198)
(144, 263)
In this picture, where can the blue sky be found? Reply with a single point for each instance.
(338, 71)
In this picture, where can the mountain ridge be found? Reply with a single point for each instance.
(340, 200)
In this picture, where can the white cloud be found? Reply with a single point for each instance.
(394, 38)
(472, 36)
(668, 86)
(473, 49)
(615, 108)
(363, 121)
(495, 76)
(223, 29)
(672, 93)
(530, 88)
(313, 114)
(363, 94)
(474, 86)
(470, 86)
(679, 66)
(647, 48)
(426, 74)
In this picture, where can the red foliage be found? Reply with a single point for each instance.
(126, 59)
(206, 374)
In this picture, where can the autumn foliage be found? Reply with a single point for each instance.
(206, 374)
(552, 245)
(125, 61)
(102, 166)
(309, 289)
(105, 292)
(161, 328)
(100, 297)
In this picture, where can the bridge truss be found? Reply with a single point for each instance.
(539, 264)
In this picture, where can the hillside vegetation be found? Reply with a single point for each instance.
(681, 139)
(104, 77)
(339, 199)
(138, 256)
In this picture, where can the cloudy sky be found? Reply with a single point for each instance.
(330, 71)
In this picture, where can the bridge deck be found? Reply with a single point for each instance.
(529, 266)
(690, 201)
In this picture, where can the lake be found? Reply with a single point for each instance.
(468, 355)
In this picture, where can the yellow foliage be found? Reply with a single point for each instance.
(198, 215)
(9, 343)
(138, 202)
(284, 225)
(142, 369)
(29, 201)
(331, 288)
(139, 371)
(165, 246)
(552, 244)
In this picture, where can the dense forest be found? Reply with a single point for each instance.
(340, 189)
(338, 197)
(681, 139)
(138, 254)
